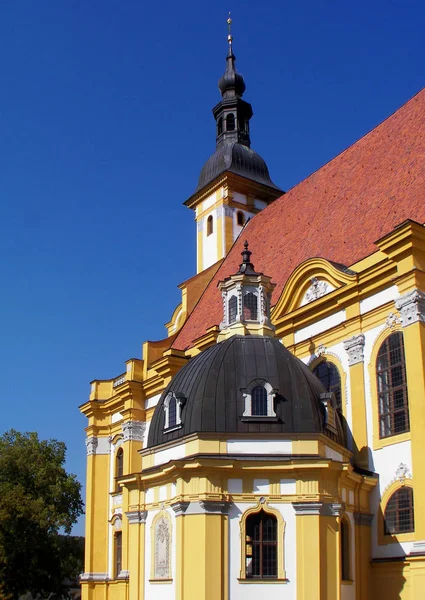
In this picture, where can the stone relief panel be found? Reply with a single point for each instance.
(317, 289)
(162, 551)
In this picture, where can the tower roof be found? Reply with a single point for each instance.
(233, 143)
(337, 213)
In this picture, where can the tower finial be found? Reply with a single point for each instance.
(229, 35)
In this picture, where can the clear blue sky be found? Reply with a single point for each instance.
(106, 121)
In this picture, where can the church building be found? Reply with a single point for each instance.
(270, 443)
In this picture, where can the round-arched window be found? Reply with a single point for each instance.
(330, 378)
(399, 515)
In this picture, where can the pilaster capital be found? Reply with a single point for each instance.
(124, 574)
(307, 508)
(363, 519)
(411, 307)
(91, 445)
(133, 431)
(212, 507)
(355, 349)
(136, 516)
(336, 509)
(180, 508)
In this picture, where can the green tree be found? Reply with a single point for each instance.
(39, 500)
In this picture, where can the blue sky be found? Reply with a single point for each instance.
(105, 123)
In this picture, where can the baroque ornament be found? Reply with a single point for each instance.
(133, 431)
(402, 473)
(392, 320)
(162, 549)
(317, 289)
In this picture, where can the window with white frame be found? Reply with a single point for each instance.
(259, 400)
(173, 405)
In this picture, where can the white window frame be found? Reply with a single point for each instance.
(179, 405)
(271, 394)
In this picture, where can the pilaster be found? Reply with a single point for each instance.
(136, 521)
(204, 575)
(362, 549)
(354, 347)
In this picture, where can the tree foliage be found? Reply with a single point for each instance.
(39, 500)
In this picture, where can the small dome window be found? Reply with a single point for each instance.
(233, 309)
(240, 218)
(230, 122)
(259, 401)
(173, 405)
(250, 307)
(210, 225)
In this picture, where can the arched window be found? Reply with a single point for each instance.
(392, 387)
(118, 552)
(173, 406)
(210, 225)
(261, 546)
(220, 126)
(330, 378)
(259, 401)
(240, 218)
(233, 309)
(230, 122)
(172, 412)
(345, 549)
(119, 463)
(250, 307)
(399, 515)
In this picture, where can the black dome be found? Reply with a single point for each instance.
(236, 158)
(212, 382)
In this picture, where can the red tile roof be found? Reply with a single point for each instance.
(337, 213)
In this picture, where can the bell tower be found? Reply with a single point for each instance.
(234, 183)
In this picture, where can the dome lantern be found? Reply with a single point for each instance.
(246, 301)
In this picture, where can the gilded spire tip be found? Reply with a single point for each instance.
(229, 28)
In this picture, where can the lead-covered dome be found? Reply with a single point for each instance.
(239, 159)
(214, 389)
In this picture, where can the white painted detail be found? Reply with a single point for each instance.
(288, 486)
(261, 486)
(152, 401)
(260, 204)
(234, 486)
(319, 326)
(259, 446)
(209, 250)
(240, 198)
(333, 454)
(348, 591)
(163, 492)
(173, 489)
(208, 202)
(350, 497)
(387, 295)
(173, 453)
(103, 445)
(149, 495)
(344, 494)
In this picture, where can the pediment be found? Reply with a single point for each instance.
(309, 282)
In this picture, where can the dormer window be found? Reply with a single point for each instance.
(250, 307)
(173, 405)
(259, 401)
